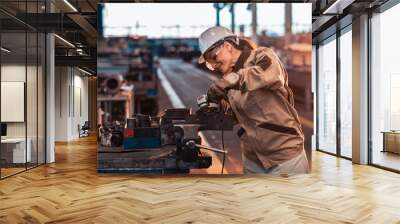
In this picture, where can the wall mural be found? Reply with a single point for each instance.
(186, 96)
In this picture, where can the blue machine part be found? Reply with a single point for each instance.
(140, 143)
(152, 92)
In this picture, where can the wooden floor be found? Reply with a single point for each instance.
(70, 191)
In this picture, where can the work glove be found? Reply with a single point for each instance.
(218, 90)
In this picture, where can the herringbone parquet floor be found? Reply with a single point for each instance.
(71, 191)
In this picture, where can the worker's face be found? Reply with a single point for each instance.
(220, 58)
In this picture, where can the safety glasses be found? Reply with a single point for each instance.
(212, 57)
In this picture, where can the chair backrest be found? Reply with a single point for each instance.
(86, 125)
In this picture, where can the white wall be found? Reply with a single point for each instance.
(61, 103)
(80, 110)
(71, 102)
(12, 73)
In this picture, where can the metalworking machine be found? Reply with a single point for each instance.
(166, 144)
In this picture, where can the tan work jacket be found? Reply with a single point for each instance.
(264, 108)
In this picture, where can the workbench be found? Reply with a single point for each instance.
(149, 160)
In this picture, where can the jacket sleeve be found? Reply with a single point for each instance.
(265, 71)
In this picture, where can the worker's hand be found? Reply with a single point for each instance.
(215, 93)
(219, 89)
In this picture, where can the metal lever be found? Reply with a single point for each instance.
(192, 143)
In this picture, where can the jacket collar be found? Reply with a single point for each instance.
(242, 59)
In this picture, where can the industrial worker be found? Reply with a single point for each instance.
(254, 88)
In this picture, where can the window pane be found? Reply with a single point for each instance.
(31, 97)
(386, 89)
(327, 97)
(13, 85)
(346, 94)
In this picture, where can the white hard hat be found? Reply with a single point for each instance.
(210, 37)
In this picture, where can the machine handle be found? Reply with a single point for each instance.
(192, 143)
